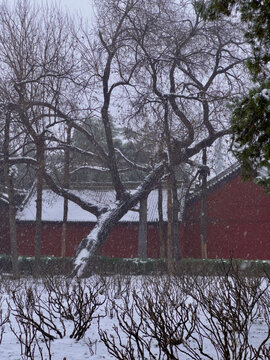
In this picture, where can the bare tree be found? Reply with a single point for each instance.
(9, 181)
(145, 63)
(161, 58)
(35, 56)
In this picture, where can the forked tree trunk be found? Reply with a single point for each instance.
(11, 200)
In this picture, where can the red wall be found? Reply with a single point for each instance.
(122, 241)
(238, 215)
(238, 226)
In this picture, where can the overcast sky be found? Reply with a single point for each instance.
(83, 6)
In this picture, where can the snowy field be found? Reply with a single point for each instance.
(121, 317)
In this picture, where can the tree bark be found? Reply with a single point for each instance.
(11, 200)
(65, 206)
(203, 209)
(39, 187)
(169, 227)
(91, 245)
(142, 235)
(175, 218)
(161, 222)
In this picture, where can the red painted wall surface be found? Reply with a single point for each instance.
(122, 241)
(238, 226)
(238, 215)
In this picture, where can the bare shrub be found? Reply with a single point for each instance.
(228, 307)
(41, 312)
(4, 319)
(32, 306)
(30, 343)
(157, 320)
(76, 301)
(198, 317)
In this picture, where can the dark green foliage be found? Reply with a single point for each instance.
(251, 132)
(137, 153)
(103, 265)
(251, 115)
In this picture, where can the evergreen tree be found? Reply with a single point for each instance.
(251, 115)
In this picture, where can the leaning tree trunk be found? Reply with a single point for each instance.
(91, 245)
(11, 200)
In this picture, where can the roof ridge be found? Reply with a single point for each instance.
(223, 174)
(217, 179)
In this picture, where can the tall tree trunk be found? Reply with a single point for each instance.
(65, 206)
(142, 235)
(169, 227)
(161, 222)
(203, 209)
(39, 187)
(175, 218)
(11, 200)
(173, 203)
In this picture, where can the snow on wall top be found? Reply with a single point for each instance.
(215, 181)
(53, 207)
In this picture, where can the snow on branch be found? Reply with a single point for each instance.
(20, 160)
(94, 209)
(89, 167)
(131, 163)
(63, 145)
(96, 168)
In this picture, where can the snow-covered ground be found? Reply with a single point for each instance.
(120, 298)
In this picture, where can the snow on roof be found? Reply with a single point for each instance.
(53, 206)
(223, 175)
(217, 180)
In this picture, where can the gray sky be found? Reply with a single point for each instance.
(83, 7)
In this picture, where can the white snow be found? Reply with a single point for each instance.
(52, 208)
(4, 198)
(84, 253)
(266, 94)
(13, 171)
(90, 346)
